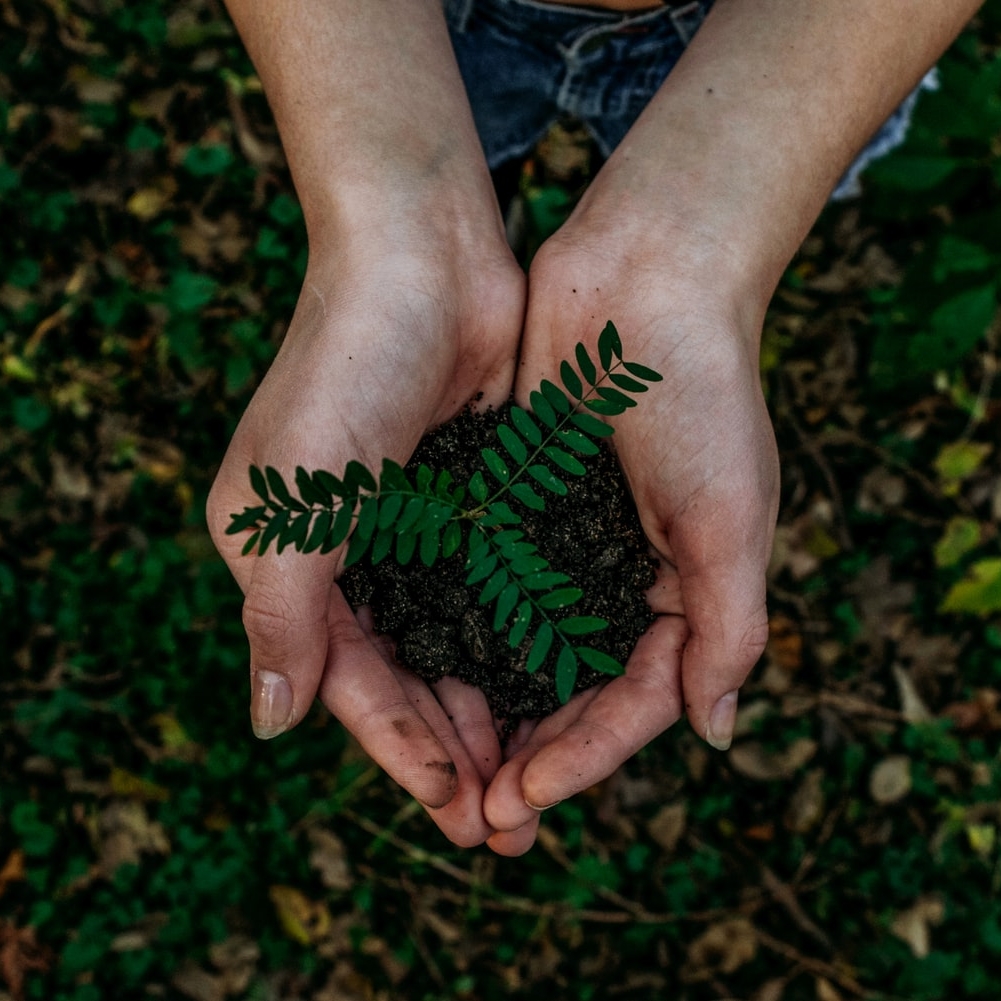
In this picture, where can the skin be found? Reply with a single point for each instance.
(413, 304)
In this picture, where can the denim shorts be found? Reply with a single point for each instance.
(528, 64)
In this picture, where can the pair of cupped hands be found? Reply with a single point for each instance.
(397, 329)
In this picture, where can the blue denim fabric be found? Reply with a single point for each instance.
(528, 64)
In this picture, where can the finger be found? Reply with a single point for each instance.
(511, 844)
(504, 804)
(720, 655)
(587, 740)
(360, 689)
(461, 820)
(285, 619)
(468, 712)
(452, 709)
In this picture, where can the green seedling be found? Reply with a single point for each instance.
(432, 517)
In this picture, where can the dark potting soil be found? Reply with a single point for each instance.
(592, 534)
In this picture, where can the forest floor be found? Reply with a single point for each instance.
(847, 845)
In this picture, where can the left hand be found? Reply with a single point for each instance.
(700, 458)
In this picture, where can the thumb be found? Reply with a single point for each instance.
(728, 623)
(285, 618)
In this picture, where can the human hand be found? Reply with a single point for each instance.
(700, 458)
(383, 345)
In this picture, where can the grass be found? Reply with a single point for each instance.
(846, 847)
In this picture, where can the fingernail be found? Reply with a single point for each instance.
(541, 809)
(270, 704)
(719, 731)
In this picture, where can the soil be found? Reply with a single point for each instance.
(593, 534)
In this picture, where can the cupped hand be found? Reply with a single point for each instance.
(382, 347)
(699, 455)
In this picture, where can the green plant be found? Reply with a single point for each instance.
(431, 516)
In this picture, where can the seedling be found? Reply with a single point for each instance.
(432, 517)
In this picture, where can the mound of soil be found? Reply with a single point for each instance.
(592, 534)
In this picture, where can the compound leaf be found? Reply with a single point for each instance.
(480, 570)
(250, 544)
(519, 628)
(329, 483)
(451, 539)
(542, 409)
(406, 545)
(496, 465)
(281, 491)
(500, 513)
(358, 477)
(540, 647)
(547, 478)
(629, 385)
(526, 426)
(642, 372)
(528, 496)
(604, 407)
(599, 660)
(318, 533)
(580, 625)
(389, 508)
(368, 515)
(430, 545)
(609, 346)
(566, 674)
(273, 529)
(478, 487)
(556, 397)
(616, 396)
(514, 446)
(590, 425)
(311, 493)
(413, 511)
(585, 364)
(259, 484)
(494, 585)
(560, 598)
(382, 544)
(506, 602)
(247, 518)
(340, 529)
(567, 462)
(572, 380)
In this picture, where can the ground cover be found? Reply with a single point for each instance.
(847, 845)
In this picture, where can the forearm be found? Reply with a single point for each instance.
(369, 104)
(739, 150)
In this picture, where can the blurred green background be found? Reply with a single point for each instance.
(845, 847)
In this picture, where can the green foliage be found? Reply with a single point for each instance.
(948, 300)
(432, 517)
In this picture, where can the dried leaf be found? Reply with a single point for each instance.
(13, 870)
(754, 761)
(198, 984)
(890, 780)
(329, 859)
(912, 706)
(302, 919)
(807, 804)
(721, 949)
(667, 826)
(914, 925)
(20, 954)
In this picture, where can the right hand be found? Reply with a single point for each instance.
(382, 347)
